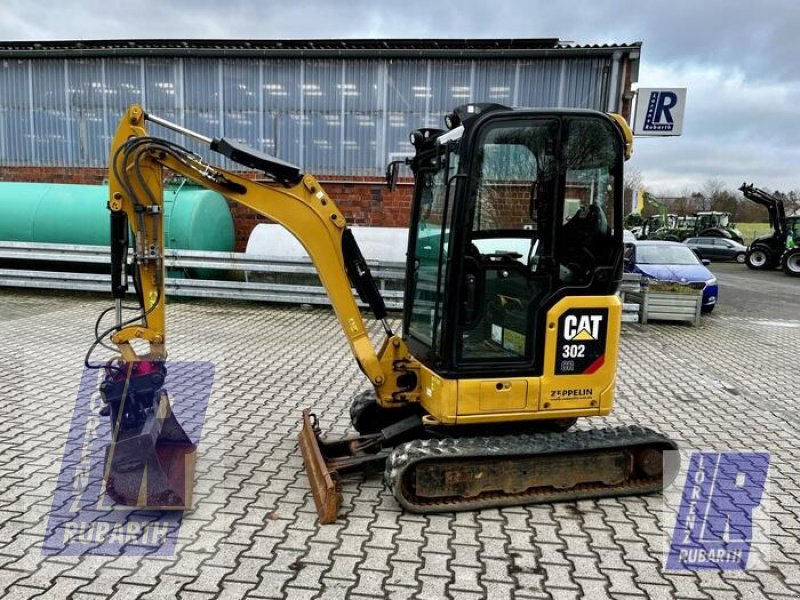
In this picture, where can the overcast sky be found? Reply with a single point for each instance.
(740, 60)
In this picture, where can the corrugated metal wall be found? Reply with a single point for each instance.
(331, 116)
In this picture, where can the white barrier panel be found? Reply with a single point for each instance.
(384, 244)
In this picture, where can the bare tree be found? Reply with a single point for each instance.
(633, 179)
(713, 187)
(791, 201)
(699, 202)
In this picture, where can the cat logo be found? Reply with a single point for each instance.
(581, 341)
(583, 328)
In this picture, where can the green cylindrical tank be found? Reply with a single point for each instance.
(54, 213)
(194, 218)
(197, 219)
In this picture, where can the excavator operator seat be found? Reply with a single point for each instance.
(582, 236)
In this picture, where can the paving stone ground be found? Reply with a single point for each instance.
(729, 384)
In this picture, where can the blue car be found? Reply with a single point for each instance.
(673, 262)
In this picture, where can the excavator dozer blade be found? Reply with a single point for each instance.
(152, 466)
(327, 495)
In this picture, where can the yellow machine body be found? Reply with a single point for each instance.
(551, 396)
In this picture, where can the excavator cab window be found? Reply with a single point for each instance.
(510, 215)
(586, 239)
(428, 257)
(511, 200)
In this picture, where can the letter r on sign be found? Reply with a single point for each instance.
(664, 105)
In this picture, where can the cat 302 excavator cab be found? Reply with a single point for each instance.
(510, 324)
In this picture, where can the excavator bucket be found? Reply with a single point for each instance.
(327, 496)
(150, 461)
(152, 467)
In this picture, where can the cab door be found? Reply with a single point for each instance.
(541, 222)
(506, 236)
(428, 255)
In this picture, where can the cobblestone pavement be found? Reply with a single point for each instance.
(730, 383)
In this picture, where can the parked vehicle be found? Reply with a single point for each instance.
(715, 248)
(712, 223)
(672, 262)
(656, 225)
(779, 248)
(673, 228)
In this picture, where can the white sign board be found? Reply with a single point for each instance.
(659, 111)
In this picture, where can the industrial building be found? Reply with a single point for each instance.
(341, 109)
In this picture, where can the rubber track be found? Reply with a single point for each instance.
(576, 441)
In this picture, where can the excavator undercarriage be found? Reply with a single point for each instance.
(439, 471)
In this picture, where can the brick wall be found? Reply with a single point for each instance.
(54, 175)
(362, 200)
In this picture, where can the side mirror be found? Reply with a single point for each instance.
(391, 173)
(705, 262)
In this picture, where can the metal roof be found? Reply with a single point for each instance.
(306, 48)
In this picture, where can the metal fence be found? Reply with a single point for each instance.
(239, 276)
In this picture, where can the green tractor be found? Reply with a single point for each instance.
(658, 227)
(712, 223)
(701, 224)
(782, 246)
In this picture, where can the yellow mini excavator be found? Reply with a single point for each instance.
(510, 324)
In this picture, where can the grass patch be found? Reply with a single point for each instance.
(751, 231)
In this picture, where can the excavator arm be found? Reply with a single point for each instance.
(296, 201)
(132, 387)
